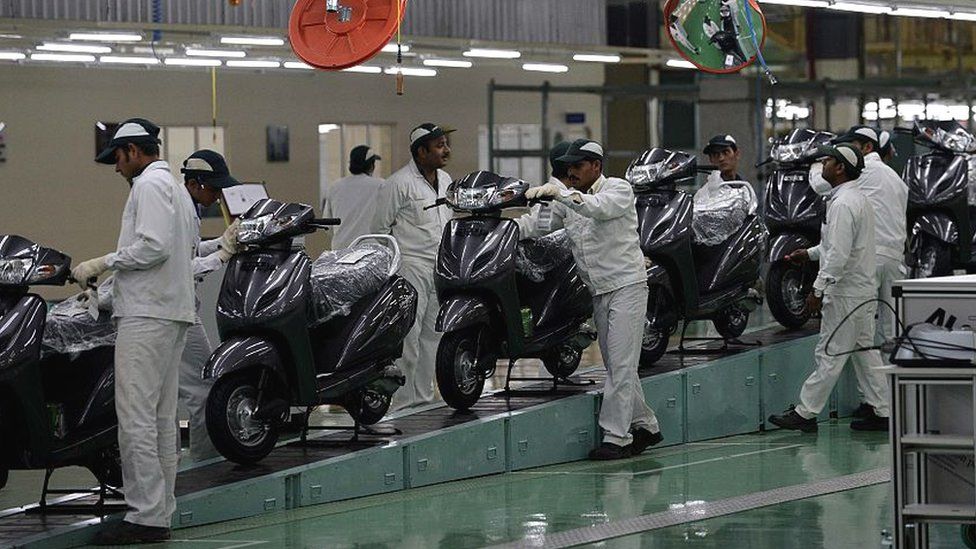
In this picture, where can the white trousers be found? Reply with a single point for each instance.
(420, 345)
(194, 390)
(147, 354)
(888, 271)
(857, 331)
(619, 317)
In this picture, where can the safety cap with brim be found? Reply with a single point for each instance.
(885, 145)
(426, 131)
(210, 169)
(558, 151)
(721, 142)
(582, 149)
(859, 133)
(844, 153)
(133, 130)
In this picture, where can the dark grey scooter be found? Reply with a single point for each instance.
(271, 356)
(491, 310)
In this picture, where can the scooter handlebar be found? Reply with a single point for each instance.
(438, 203)
(325, 222)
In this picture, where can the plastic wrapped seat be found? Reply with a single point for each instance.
(340, 278)
(720, 210)
(536, 257)
(70, 328)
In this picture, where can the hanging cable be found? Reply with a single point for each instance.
(399, 72)
(213, 101)
(755, 42)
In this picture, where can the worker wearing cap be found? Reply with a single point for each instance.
(401, 211)
(600, 217)
(559, 176)
(723, 153)
(205, 176)
(152, 300)
(888, 195)
(845, 282)
(887, 150)
(353, 198)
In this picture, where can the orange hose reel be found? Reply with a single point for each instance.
(334, 40)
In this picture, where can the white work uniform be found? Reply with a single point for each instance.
(353, 200)
(193, 388)
(602, 227)
(400, 212)
(888, 196)
(847, 279)
(153, 304)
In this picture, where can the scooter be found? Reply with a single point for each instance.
(278, 351)
(57, 409)
(690, 281)
(502, 298)
(941, 219)
(793, 213)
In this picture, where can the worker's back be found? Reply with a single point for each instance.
(352, 199)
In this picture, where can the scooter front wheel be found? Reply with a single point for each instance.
(930, 257)
(234, 430)
(654, 344)
(786, 294)
(460, 376)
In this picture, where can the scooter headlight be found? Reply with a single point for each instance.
(252, 230)
(792, 152)
(959, 141)
(647, 174)
(471, 199)
(14, 271)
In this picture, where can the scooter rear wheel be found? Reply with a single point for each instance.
(969, 535)
(234, 431)
(786, 295)
(368, 406)
(562, 361)
(460, 376)
(731, 322)
(4, 475)
(107, 466)
(654, 344)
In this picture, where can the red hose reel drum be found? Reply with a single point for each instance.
(340, 39)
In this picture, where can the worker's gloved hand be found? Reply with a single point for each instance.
(228, 240)
(798, 257)
(87, 270)
(548, 190)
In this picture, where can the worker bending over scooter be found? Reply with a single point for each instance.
(600, 217)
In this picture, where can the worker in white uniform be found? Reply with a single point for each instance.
(600, 217)
(152, 302)
(888, 196)
(353, 198)
(400, 211)
(205, 175)
(845, 281)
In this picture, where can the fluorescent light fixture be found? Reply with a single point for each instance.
(12, 36)
(298, 65)
(455, 63)
(392, 48)
(190, 62)
(326, 128)
(128, 60)
(544, 67)
(365, 69)
(860, 8)
(105, 37)
(73, 48)
(963, 16)
(597, 57)
(680, 64)
(153, 51)
(252, 40)
(800, 3)
(492, 54)
(63, 57)
(254, 64)
(914, 12)
(410, 71)
(196, 52)
(11, 56)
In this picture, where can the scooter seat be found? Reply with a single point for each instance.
(537, 257)
(70, 329)
(340, 278)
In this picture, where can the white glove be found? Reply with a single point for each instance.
(228, 240)
(548, 190)
(88, 300)
(87, 270)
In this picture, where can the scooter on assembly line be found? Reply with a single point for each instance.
(690, 280)
(57, 379)
(502, 298)
(941, 212)
(793, 213)
(298, 333)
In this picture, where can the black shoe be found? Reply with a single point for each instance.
(644, 439)
(873, 422)
(792, 420)
(127, 533)
(864, 410)
(608, 451)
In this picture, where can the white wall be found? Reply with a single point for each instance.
(55, 194)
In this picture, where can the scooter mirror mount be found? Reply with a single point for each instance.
(440, 202)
